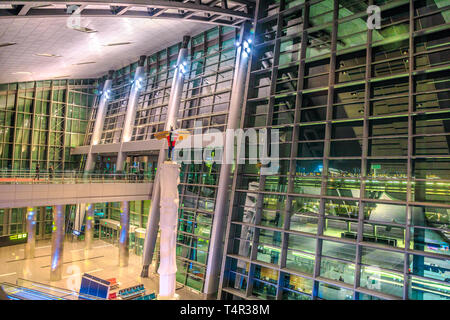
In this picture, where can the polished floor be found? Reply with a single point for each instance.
(101, 261)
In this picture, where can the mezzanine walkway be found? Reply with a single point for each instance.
(24, 188)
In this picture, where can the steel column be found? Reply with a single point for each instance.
(172, 111)
(31, 230)
(130, 116)
(124, 238)
(57, 243)
(221, 207)
(89, 230)
(99, 121)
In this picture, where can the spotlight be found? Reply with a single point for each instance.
(249, 40)
(184, 63)
(245, 44)
(245, 54)
(237, 44)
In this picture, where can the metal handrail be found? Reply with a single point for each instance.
(70, 177)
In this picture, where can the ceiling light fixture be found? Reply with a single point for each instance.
(64, 76)
(48, 55)
(7, 44)
(116, 44)
(83, 29)
(82, 63)
(22, 72)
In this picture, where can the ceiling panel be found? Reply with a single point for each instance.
(53, 36)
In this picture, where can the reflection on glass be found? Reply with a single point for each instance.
(376, 279)
(303, 214)
(300, 261)
(332, 292)
(337, 270)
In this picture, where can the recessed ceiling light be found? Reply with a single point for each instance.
(116, 44)
(6, 6)
(49, 55)
(22, 72)
(81, 63)
(6, 44)
(83, 29)
(64, 76)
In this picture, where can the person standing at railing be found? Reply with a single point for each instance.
(141, 173)
(38, 170)
(50, 173)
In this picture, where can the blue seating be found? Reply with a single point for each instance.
(147, 297)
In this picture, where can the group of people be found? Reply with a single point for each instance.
(38, 172)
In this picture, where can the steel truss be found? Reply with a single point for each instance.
(216, 12)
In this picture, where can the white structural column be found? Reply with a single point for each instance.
(130, 116)
(80, 211)
(124, 237)
(99, 121)
(95, 139)
(89, 230)
(57, 243)
(169, 180)
(31, 230)
(221, 206)
(172, 111)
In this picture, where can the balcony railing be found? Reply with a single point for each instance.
(70, 177)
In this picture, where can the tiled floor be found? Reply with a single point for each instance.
(101, 261)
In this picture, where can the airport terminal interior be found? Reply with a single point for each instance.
(355, 206)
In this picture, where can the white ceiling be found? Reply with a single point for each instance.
(53, 36)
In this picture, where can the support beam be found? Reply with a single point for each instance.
(172, 111)
(123, 10)
(130, 116)
(96, 8)
(80, 211)
(221, 207)
(89, 230)
(80, 9)
(99, 121)
(124, 237)
(24, 10)
(56, 265)
(31, 230)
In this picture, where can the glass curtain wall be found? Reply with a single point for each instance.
(41, 121)
(359, 207)
(204, 105)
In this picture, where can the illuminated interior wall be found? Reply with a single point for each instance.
(204, 104)
(40, 121)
